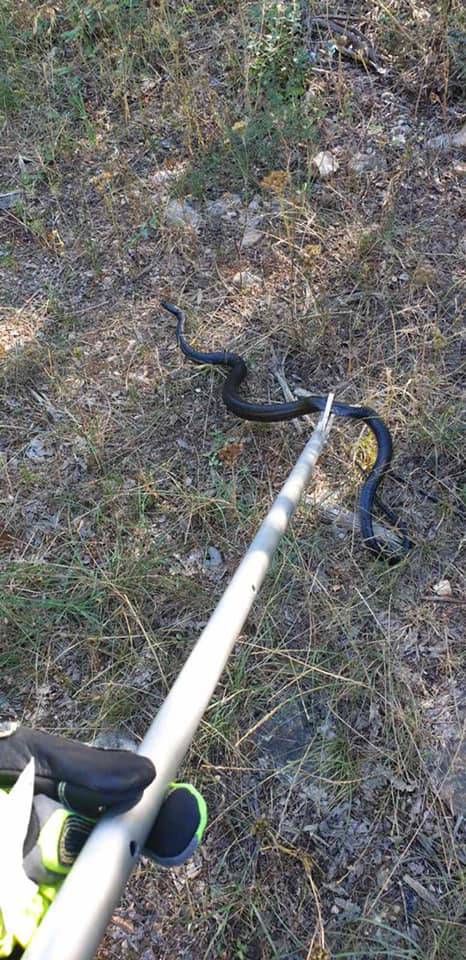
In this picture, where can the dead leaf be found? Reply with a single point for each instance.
(55, 242)
(229, 454)
(397, 782)
(123, 924)
(311, 250)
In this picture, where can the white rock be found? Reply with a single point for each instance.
(325, 163)
(179, 213)
(443, 588)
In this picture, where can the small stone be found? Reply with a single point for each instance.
(39, 450)
(244, 278)
(116, 739)
(459, 138)
(213, 557)
(179, 213)
(447, 140)
(365, 162)
(148, 84)
(225, 208)
(326, 164)
(250, 237)
(217, 208)
(8, 200)
(443, 588)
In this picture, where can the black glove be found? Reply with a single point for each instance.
(86, 779)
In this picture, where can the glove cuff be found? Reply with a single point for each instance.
(61, 839)
(55, 841)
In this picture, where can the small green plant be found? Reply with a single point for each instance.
(77, 102)
(279, 61)
(146, 231)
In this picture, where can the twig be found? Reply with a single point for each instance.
(278, 373)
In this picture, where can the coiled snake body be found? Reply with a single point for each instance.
(276, 412)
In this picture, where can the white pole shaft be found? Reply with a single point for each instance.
(76, 922)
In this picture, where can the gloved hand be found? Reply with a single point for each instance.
(56, 836)
(86, 779)
(89, 781)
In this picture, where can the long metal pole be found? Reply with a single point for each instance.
(76, 922)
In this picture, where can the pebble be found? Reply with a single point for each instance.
(8, 200)
(225, 208)
(213, 557)
(443, 588)
(179, 213)
(365, 162)
(244, 278)
(250, 237)
(39, 450)
(325, 163)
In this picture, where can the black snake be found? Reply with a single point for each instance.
(275, 412)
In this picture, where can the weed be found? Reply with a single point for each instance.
(278, 60)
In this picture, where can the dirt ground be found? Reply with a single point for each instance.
(291, 175)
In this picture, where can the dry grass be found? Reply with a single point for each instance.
(327, 754)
